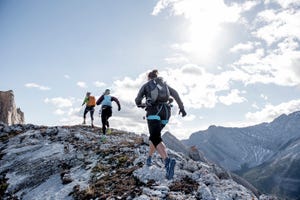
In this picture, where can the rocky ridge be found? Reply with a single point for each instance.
(75, 162)
(9, 113)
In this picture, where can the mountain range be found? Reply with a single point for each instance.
(267, 154)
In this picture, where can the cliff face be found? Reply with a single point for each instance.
(9, 113)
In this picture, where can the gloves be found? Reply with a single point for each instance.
(182, 111)
(141, 105)
(148, 102)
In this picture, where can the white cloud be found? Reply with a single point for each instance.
(243, 47)
(59, 112)
(287, 45)
(269, 112)
(252, 59)
(288, 3)
(266, 114)
(128, 88)
(263, 96)
(99, 84)
(295, 63)
(175, 59)
(59, 102)
(232, 97)
(75, 111)
(192, 70)
(278, 25)
(189, 117)
(248, 5)
(138, 126)
(160, 5)
(254, 105)
(215, 9)
(34, 85)
(81, 84)
(67, 76)
(278, 65)
(196, 87)
(204, 25)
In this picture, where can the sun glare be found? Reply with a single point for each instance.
(201, 37)
(205, 20)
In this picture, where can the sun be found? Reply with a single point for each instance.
(201, 39)
(205, 20)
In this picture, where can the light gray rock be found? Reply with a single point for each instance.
(9, 113)
(54, 162)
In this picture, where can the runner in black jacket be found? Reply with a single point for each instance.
(158, 114)
(106, 108)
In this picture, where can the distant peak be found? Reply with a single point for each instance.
(296, 113)
(284, 117)
(212, 126)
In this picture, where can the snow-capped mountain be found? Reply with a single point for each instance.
(272, 150)
(76, 162)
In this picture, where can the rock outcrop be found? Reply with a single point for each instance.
(176, 145)
(39, 162)
(173, 143)
(9, 113)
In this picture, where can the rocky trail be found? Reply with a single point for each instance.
(73, 162)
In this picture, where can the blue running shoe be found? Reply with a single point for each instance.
(170, 169)
(149, 161)
(167, 164)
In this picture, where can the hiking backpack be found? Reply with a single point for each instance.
(91, 101)
(159, 91)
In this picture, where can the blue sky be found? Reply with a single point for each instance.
(234, 63)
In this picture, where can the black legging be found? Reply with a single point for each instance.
(157, 118)
(89, 109)
(106, 113)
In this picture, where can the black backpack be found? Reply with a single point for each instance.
(159, 91)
